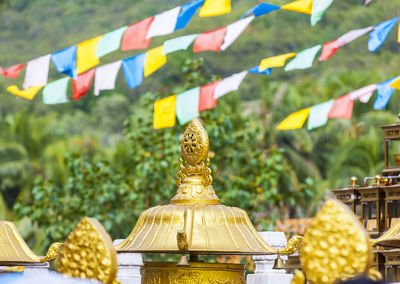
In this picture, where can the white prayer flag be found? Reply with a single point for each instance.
(229, 84)
(352, 35)
(363, 94)
(163, 23)
(37, 72)
(234, 30)
(106, 76)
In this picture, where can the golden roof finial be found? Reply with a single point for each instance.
(336, 247)
(194, 178)
(88, 252)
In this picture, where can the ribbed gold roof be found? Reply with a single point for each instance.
(195, 221)
(389, 239)
(13, 247)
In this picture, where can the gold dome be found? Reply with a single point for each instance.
(195, 221)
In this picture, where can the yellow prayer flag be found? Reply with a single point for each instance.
(164, 112)
(396, 84)
(215, 7)
(398, 34)
(154, 60)
(27, 94)
(301, 6)
(294, 120)
(275, 61)
(86, 54)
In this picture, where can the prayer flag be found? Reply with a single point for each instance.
(303, 59)
(178, 43)
(186, 13)
(110, 42)
(396, 84)
(215, 8)
(363, 94)
(133, 70)
(275, 61)
(229, 84)
(385, 92)
(234, 30)
(37, 71)
(302, 6)
(135, 36)
(65, 61)
(211, 40)
(342, 107)
(164, 23)
(56, 92)
(82, 84)
(328, 49)
(378, 36)
(294, 120)
(319, 8)
(207, 99)
(261, 9)
(164, 112)
(319, 115)
(13, 71)
(28, 94)
(86, 54)
(106, 76)
(154, 60)
(187, 105)
(352, 35)
(256, 70)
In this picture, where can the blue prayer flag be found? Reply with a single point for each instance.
(65, 61)
(378, 36)
(257, 71)
(186, 13)
(384, 93)
(261, 9)
(133, 70)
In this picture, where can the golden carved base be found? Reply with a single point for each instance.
(196, 273)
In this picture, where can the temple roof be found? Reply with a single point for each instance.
(13, 247)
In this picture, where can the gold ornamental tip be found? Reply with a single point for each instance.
(195, 222)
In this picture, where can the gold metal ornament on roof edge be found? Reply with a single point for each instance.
(15, 250)
(88, 253)
(195, 221)
(335, 247)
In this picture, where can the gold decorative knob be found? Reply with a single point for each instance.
(378, 179)
(354, 180)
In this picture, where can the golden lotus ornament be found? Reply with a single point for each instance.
(196, 223)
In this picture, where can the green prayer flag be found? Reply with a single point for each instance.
(187, 105)
(110, 42)
(319, 115)
(56, 92)
(318, 10)
(303, 59)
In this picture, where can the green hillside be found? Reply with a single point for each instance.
(61, 162)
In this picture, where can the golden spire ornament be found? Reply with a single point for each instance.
(336, 247)
(88, 253)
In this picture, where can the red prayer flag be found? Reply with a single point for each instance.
(206, 99)
(211, 40)
(82, 84)
(135, 35)
(13, 71)
(342, 107)
(328, 49)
